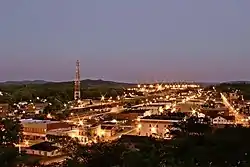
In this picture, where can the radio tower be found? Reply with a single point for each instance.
(77, 82)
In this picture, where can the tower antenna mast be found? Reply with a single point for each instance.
(77, 95)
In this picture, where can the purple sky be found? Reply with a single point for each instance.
(125, 40)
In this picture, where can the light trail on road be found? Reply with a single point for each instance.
(239, 118)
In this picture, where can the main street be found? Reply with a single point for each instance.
(239, 118)
(118, 135)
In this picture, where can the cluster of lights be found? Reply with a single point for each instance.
(238, 116)
(159, 86)
(161, 110)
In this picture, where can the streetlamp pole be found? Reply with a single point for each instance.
(19, 145)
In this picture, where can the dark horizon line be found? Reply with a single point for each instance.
(49, 81)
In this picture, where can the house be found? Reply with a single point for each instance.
(223, 120)
(46, 149)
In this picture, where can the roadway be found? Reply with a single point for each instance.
(239, 118)
(118, 135)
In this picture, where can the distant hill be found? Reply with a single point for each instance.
(25, 82)
(87, 82)
(237, 82)
(98, 82)
(17, 91)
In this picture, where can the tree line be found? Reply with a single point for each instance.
(62, 91)
(242, 87)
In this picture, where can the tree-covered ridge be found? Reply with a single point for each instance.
(15, 92)
(230, 87)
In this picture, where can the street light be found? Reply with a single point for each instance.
(49, 116)
(161, 109)
(26, 143)
(153, 130)
(102, 99)
(81, 123)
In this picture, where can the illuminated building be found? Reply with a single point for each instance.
(156, 125)
(37, 129)
(46, 149)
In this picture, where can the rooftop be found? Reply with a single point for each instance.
(37, 121)
(139, 111)
(107, 127)
(232, 118)
(44, 146)
(169, 116)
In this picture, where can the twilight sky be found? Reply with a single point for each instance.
(125, 40)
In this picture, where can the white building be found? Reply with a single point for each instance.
(78, 133)
(43, 149)
(223, 120)
(156, 125)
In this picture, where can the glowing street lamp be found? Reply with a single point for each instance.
(49, 116)
(167, 107)
(159, 87)
(161, 109)
(26, 143)
(194, 111)
(153, 130)
(80, 123)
